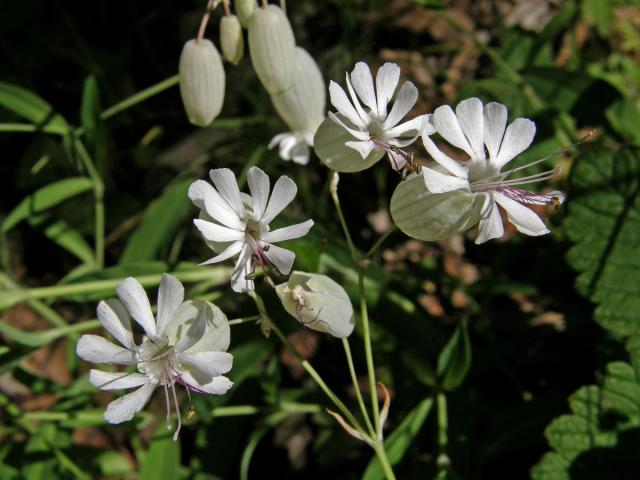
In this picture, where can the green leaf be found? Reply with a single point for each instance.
(162, 460)
(624, 118)
(163, 217)
(600, 437)
(603, 222)
(44, 337)
(598, 13)
(45, 198)
(559, 88)
(66, 236)
(455, 359)
(90, 117)
(30, 106)
(397, 444)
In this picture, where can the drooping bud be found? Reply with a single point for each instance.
(433, 216)
(244, 9)
(202, 81)
(231, 39)
(318, 303)
(302, 105)
(272, 48)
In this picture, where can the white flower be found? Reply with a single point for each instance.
(371, 130)
(474, 128)
(185, 345)
(235, 223)
(293, 146)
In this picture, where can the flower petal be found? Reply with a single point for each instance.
(404, 102)
(115, 320)
(490, 222)
(124, 408)
(217, 233)
(359, 134)
(287, 233)
(448, 127)
(95, 349)
(341, 102)
(116, 380)
(231, 251)
(194, 333)
(471, 120)
(523, 218)
(225, 182)
(363, 148)
(281, 257)
(517, 138)
(386, 82)
(284, 191)
(217, 386)
(438, 182)
(259, 187)
(445, 161)
(137, 304)
(362, 82)
(300, 152)
(495, 121)
(170, 297)
(364, 116)
(411, 128)
(206, 198)
(207, 364)
(239, 282)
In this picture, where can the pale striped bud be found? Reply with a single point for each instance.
(272, 48)
(302, 105)
(424, 215)
(318, 303)
(244, 9)
(231, 39)
(202, 81)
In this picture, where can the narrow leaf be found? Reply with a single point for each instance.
(44, 198)
(162, 460)
(30, 106)
(160, 222)
(397, 444)
(455, 359)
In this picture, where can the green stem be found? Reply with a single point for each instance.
(384, 461)
(219, 274)
(380, 240)
(356, 386)
(305, 364)
(443, 462)
(30, 128)
(140, 97)
(373, 388)
(98, 193)
(238, 321)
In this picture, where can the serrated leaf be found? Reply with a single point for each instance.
(600, 435)
(45, 198)
(162, 218)
(455, 359)
(397, 444)
(31, 107)
(604, 223)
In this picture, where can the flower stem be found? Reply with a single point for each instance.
(380, 241)
(305, 364)
(139, 97)
(384, 461)
(373, 388)
(205, 19)
(443, 462)
(356, 386)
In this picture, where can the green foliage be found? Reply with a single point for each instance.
(163, 216)
(455, 359)
(31, 107)
(599, 438)
(604, 223)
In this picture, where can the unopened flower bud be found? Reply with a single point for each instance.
(202, 81)
(231, 39)
(317, 302)
(302, 105)
(272, 48)
(244, 9)
(424, 215)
